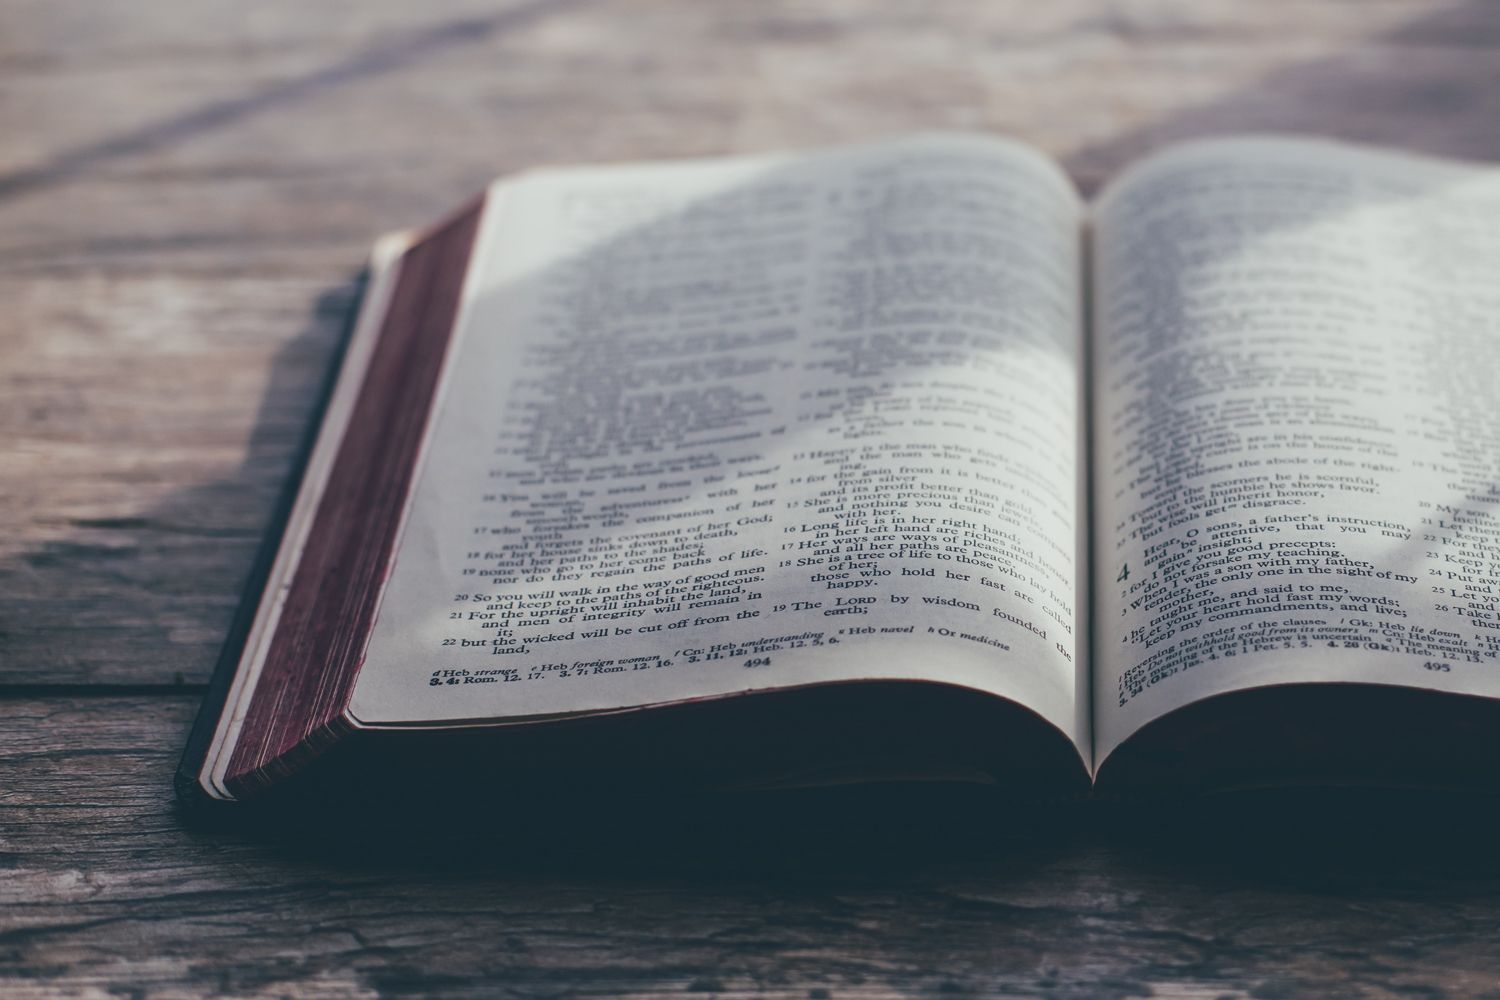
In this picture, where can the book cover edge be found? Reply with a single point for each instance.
(186, 784)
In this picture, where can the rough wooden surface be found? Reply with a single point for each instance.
(186, 190)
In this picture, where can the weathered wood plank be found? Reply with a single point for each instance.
(144, 472)
(185, 189)
(106, 893)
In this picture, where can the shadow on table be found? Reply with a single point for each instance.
(1313, 840)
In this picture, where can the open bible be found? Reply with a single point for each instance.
(901, 462)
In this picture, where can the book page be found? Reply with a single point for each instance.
(1297, 444)
(744, 424)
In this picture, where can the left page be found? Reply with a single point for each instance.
(748, 424)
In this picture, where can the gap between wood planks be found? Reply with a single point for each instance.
(87, 690)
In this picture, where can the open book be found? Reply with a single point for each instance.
(901, 462)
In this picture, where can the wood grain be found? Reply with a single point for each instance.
(186, 191)
(107, 893)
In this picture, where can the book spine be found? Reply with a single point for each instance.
(327, 605)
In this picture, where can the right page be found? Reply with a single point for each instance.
(1296, 425)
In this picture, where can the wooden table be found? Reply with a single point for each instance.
(187, 188)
